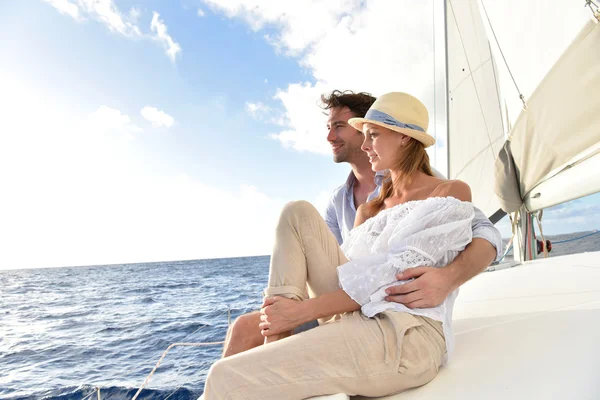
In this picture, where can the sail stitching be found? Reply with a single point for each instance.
(475, 158)
(471, 73)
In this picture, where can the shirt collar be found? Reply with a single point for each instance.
(379, 175)
(350, 181)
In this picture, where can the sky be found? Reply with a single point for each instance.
(137, 131)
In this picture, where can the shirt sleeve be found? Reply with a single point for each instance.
(331, 219)
(423, 237)
(484, 229)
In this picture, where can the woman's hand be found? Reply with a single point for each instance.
(280, 314)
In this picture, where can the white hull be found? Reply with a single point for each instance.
(528, 332)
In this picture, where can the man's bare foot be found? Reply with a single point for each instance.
(274, 338)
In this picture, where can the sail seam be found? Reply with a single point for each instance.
(476, 157)
(466, 78)
(471, 74)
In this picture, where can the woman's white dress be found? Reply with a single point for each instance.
(429, 232)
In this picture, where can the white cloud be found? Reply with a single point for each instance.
(157, 117)
(291, 18)
(201, 13)
(106, 119)
(354, 45)
(264, 113)
(172, 48)
(255, 108)
(125, 24)
(134, 14)
(107, 12)
(65, 7)
(81, 194)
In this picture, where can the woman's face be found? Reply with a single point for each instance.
(382, 145)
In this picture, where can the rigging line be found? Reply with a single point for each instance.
(204, 325)
(595, 13)
(183, 344)
(577, 238)
(172, 393)
(554, 243)
(491, 62)
(483, 64)
(247, 309)
(96, 389)
(502, 53)
(496, 81)
(471, 73)
(163, 356)
(228, 312)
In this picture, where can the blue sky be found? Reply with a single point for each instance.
(161, 130)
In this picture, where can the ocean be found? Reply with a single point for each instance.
(66, 331)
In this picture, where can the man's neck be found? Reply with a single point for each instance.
(364, 174)
(365, 182)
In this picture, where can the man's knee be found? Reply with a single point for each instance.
(245, 331)
(246, 324)
(244, 334)
(295, 209)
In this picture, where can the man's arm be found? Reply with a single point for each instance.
(331, 219)
(279, 314)
(431, 286)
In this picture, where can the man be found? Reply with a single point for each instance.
(430, 285)
(345, 144)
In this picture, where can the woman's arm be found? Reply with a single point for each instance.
(280, 314)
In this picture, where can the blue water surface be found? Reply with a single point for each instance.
(66, 331)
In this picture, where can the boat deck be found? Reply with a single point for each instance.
(527, 332)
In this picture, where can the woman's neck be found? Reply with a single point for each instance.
(403, 186)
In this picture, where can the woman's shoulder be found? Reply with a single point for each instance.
(361, 215)
(453, 188)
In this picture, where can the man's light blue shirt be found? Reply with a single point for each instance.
(341, 212)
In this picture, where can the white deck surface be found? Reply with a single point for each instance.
(528, 332)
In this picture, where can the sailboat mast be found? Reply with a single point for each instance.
(446, 92)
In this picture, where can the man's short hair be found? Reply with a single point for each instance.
(358, 103)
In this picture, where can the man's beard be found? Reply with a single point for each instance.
(340, 157)
(346, 155)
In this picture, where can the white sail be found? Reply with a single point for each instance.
(476, 131)
(555, 143)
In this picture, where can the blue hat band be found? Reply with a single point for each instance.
(378, 116)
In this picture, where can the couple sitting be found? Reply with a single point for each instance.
(384, 299)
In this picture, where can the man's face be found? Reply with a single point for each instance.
(344, 139)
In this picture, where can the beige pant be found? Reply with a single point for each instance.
(352, 354)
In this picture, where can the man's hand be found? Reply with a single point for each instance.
(429, 288)
(280, 314)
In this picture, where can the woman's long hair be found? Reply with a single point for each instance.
(411, 158)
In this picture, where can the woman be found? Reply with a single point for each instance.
(364, 345)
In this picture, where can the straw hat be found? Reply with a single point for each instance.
(399, 112)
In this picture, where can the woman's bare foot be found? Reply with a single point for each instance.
(274, 338)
